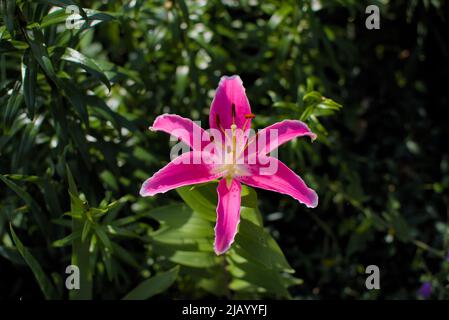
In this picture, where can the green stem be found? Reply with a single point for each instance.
(81, 258)
(227, 278)
(426, 247)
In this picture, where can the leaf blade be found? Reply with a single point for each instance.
(153, 286)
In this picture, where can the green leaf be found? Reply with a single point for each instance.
(201, 199)
(182, 228)
(104, 238)
(35, 40)
(13, 105)
(256, 261)
(196, 259)
(79, 101)
(94, 17)
(317, 105)
(124, 255)
(29, 77)
(86, 230)
(277, 18)
(25, 178)
(66, 240)
(44, 283)
(153, 286)
(184, 9)
(73, 190)
(25, 196)
(255, 244)
(86, 63)
(12, 254)
(8, 8)
(257, 276)
(56, 17)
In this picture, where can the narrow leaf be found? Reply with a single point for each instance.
(44, 283)
(155, 285)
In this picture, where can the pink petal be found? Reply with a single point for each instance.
(279, 133)
(230, 91)
(189, 168)
(228, 215)
(182, 128)
(283, 180)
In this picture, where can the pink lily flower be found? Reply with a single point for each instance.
(230, 154)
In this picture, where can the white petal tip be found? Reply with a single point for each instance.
(145, 193)
(230, 78)
(314, 204)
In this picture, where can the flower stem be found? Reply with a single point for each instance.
(81, 258)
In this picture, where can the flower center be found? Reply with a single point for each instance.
(232, 164)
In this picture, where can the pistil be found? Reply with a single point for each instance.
(234, 143)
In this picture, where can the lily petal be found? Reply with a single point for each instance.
(182, 128)
(286, 130)
(283, 180)
(189, 168)
(230, 92)
(228, 214)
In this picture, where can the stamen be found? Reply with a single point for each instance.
(233, 113)
(256, 137)
(248, 117)
(217, 121)
(234, 142)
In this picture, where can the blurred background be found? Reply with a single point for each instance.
(77, 98)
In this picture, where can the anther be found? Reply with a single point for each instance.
(248, 117)
(218, 123)
(217, 120)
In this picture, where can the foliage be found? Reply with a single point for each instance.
(75, 105)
